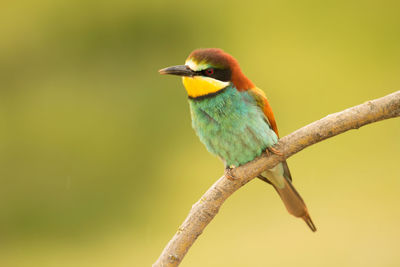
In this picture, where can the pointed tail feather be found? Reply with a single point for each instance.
(293, 201)
(309, 222)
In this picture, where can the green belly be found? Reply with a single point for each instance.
(232, 126)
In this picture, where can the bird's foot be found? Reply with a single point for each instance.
(273, 151)
(228, 173)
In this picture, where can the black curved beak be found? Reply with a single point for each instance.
(180, 70)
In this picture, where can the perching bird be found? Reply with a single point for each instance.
(234, 120)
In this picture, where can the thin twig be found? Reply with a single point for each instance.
(204, 210)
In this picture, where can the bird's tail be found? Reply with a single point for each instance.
(291, 198)
(294, 203)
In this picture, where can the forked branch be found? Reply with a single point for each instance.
(204, 210)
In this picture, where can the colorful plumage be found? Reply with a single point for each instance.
(234, 120)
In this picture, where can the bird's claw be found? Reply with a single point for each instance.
(229, 175)
(273, 151)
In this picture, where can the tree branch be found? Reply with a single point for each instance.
(204, 210)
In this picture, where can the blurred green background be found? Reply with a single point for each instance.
(98, 161)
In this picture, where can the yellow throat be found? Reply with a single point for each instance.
(199, 85)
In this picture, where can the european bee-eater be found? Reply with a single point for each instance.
(234, 120)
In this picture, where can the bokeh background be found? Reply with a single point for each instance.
(98, 161)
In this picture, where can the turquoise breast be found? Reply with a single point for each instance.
(232, 126)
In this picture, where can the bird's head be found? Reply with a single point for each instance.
(208, 71)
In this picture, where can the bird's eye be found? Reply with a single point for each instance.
(209, 71)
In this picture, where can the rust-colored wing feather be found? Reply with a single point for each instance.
(262, 102)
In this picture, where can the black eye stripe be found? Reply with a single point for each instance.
(219, 74)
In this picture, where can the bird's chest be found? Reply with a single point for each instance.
(231, 127)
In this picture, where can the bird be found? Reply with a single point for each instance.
(234, 120)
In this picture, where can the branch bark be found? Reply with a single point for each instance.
(204, 210)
